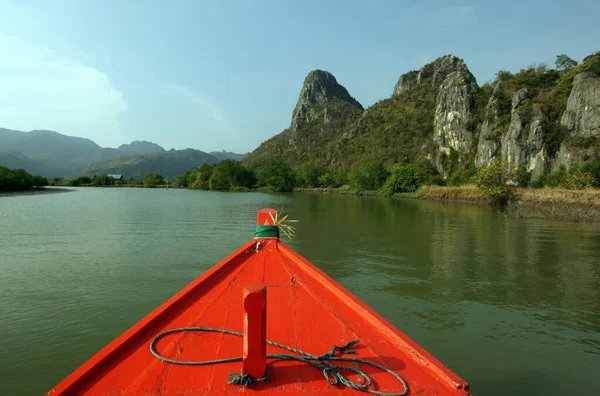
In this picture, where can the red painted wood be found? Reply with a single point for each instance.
(264, 216)
(255, 331)
(307, 310)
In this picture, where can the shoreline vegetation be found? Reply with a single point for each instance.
(571, 194)
(547, 203)
(12, 180)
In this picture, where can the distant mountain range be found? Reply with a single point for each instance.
(51, 154)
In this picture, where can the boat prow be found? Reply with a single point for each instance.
(263, 287)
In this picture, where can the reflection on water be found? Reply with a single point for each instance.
(511, 305)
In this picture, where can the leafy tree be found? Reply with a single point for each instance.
(19, 179)
(78, 181)
(367, 174)
(230, 173)
(341, 178)
(39, 181)
(182, 180)
(102, 180)
(278, 176)
(310, 174)
(153, 179)
(402, 179)
(327, 180)
(199, 178)
(563, 62)
(134, 182)
(492, 181)
(503, 75)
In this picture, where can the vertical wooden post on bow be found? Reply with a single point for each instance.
(254, 362)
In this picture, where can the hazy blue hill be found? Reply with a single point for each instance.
(223, 155)
(141, 147)
(42, 144)
(52, 154)
(168, 164)
(16, 160)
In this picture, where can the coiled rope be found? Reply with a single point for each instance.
(331, 372)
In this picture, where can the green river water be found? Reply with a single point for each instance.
(510, 305)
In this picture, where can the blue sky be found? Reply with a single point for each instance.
(218, 75)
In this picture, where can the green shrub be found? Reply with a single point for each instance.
(78, 181)
(521, 176)
(556, 178)
(230, 173)
(593, 168)
(402, 179)
(462, 177)
(199, 178)
(341, 178)
(327, 180)
(278, 176)
(310, 173)
(102, 180)
(552, 135)
(540, 182)
(367, 174)
(153, 179)
(578, 180)
(492, 181)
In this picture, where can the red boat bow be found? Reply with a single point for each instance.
(300, 307)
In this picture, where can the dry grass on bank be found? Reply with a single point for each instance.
(589, 197)
(462, 193)
(547, 203)
(556, 203)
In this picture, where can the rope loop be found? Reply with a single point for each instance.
(331, 372)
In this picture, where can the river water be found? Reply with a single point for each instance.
(510, 305)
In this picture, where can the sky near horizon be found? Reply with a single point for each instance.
(216, 75)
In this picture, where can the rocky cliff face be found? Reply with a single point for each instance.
(489, 140)
(526, 135)
(431, 75)
(322, 114)
(453, 113)
(582, 120)
(320, 88)
(440, 114)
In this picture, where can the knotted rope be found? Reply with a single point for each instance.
(332, 373)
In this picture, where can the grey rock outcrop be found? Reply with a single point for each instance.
(406, 82)
(489, 140)
(511, 151)
(319, 89)
(523, 143)
(433, 73)
(535, 158)
(581, 118)
(453, 113)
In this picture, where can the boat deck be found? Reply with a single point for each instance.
(305, 309)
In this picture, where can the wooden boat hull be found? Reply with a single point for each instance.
(306, 310)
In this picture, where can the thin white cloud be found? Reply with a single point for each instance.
(44, 90)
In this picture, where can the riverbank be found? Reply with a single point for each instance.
(547, 203)
(119, 186)
(34, 191)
